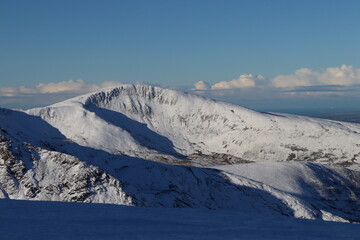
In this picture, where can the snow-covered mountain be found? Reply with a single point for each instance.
(115, 146)
(174, 127)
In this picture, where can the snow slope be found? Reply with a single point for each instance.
(303, 185)
(174, 127)
(38, 163)
(55, 220)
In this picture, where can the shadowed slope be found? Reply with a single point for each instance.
(139, 131)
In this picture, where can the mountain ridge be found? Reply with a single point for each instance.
(178, 125)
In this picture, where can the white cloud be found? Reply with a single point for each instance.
(343, 75)
(65, 86)
(331, 81)
(71, 86)
(201, 85)
(243, 81)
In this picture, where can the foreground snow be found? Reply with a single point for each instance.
(55, 220)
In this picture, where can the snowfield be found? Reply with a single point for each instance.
(145, 146)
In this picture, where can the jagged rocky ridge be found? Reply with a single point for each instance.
(109, 147)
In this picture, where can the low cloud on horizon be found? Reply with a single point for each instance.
(331, 88)
(304, 80)
(71, 86)
(304, 87)
(48, 93)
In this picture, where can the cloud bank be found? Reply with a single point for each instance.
(47, 93)
(243, 81)
(343, 76)
(332, 80)
(71, 86)
(333, 86)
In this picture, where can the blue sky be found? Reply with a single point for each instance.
(49, 44)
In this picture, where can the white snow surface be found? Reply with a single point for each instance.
(292, 178)
(55, 220)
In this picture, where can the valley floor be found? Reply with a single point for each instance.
(60, 220)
